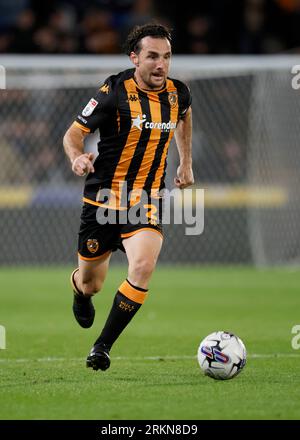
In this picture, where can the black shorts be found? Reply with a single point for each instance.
(96, 239)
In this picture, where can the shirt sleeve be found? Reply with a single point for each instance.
(184, 98)
(97, 108)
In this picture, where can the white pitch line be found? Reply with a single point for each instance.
(147, 358)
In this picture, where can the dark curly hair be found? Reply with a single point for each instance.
(147, 30)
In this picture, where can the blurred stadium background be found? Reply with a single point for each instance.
(237, 59)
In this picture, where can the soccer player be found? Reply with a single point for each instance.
(137, 113)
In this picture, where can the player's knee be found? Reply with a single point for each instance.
(142, 269)
(91, 287)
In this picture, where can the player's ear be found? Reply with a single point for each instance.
(134, 58)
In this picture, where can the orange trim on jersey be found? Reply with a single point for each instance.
(173, 118)
(131, 293)
(151, 91)
(145, 167)
(103, 256)
(130, 234)
(132, 139)
(82, 127)
(103, 205)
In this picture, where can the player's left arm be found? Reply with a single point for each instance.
(183, 137)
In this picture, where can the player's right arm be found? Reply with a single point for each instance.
(94, 114)
(74, 148)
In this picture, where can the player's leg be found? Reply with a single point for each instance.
(90, 275)
(95, 244)
(87, 280)
(142, 250)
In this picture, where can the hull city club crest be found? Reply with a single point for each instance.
(90, 107)
(173, 98)
(92, 245)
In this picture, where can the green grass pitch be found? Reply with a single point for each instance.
(154, 373)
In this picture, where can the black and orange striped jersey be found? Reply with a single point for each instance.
(136, 127)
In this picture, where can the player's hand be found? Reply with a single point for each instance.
(184, 177)
(82, 165)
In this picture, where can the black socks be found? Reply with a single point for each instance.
(127, 302)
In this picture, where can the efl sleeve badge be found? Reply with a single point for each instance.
(90, 107)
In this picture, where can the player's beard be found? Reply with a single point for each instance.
(154, 80)
(158, 79)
